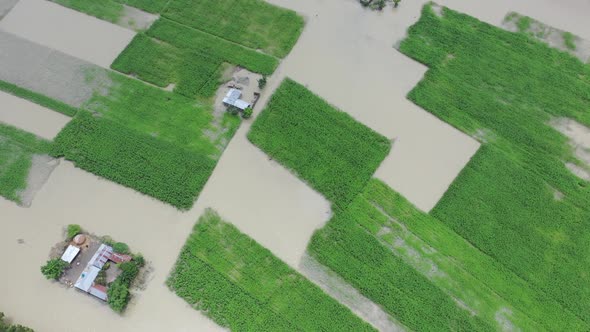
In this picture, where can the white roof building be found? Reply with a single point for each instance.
(70, 254)
(87, 278)
(232, 98)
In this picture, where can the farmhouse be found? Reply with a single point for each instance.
(232, 98)
(86, 281)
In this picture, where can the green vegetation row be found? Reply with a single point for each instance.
(17, 148)
(327, 148)
(193, 73)
(350, 246)
(7, 327)
(189, 39)
(515, 201)
(37, 98)
(244, 287)
(151, 166)
(252, 23)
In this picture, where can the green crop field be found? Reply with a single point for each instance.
(186, 38)
(253, 23)
(515, 201)
(162, 64)
(164, 115)
(17, 148)
(359, 244)
(243, 286)
(327, 148)
(151, 166)
(382, 234)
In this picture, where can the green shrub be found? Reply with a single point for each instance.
(262, 82)
(73, 230)
(253, 23)
(242, 286)
(327, 148)
(54, 268)
(118, 296)
(139, 260)
(247, 113)
(6, 327)
(121, 248)
(503, 202)
(129, 271)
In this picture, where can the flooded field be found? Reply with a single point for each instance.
(346, 55)
(67, 30)
(31, 117)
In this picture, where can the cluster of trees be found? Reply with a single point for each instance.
(6, 327)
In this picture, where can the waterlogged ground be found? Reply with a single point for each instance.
(345, 55)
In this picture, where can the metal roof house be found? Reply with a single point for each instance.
(232, 98)
(86, 280)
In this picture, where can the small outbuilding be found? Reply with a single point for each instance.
(70, 254)
(232, 98)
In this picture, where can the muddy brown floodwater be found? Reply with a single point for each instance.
(346, 56)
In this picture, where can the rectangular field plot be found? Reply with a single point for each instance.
(68, 31)
(383, 245)
(242, 286)
(17, 149)
(252, 23)
(194, 73)
(516, 200)
(191, 39)
(325, 147)
(154, 167)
